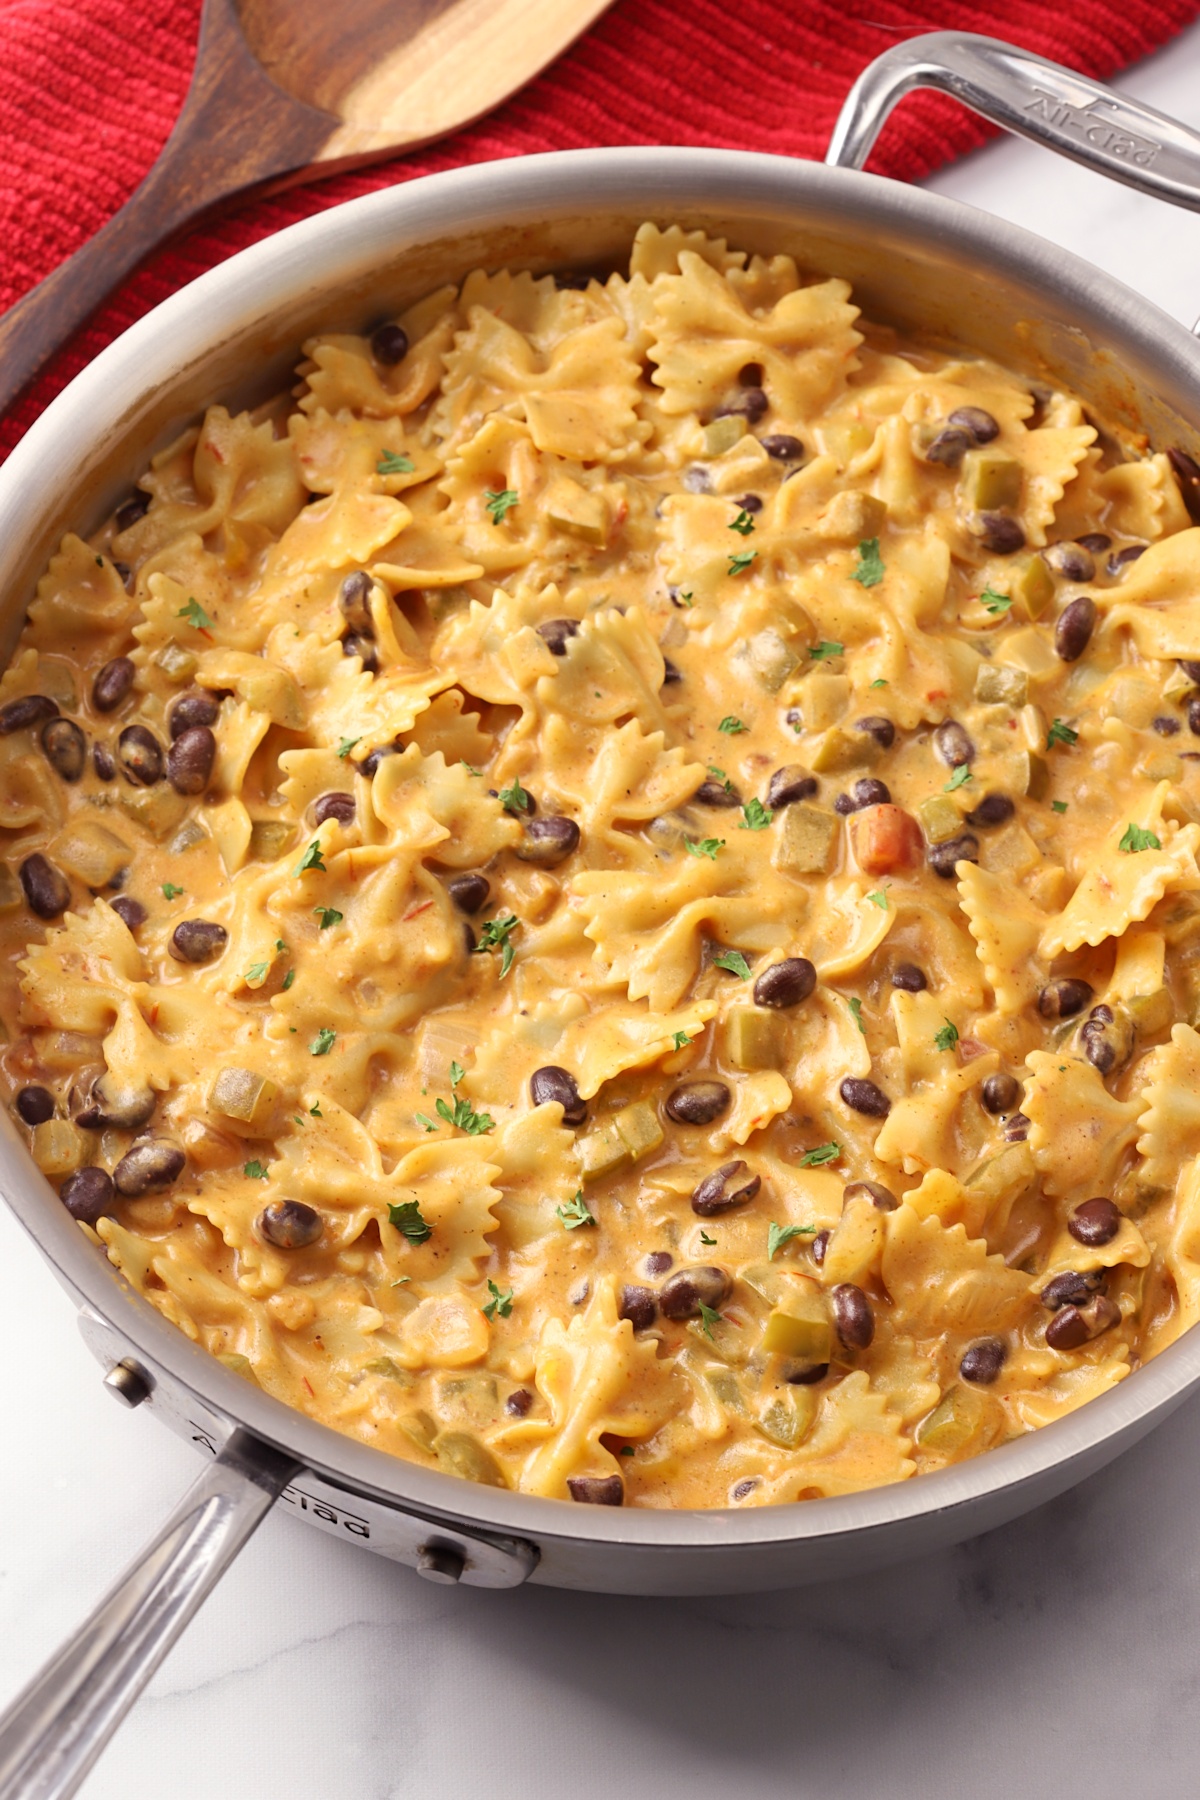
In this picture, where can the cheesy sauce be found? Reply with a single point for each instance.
(604, 897)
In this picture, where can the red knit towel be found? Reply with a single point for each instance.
(89, 90)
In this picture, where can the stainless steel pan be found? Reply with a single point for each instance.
(928, 265)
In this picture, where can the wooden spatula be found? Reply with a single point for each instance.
(287, 91)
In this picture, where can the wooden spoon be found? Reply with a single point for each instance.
(286, 91)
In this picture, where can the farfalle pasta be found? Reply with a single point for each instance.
(604, 897)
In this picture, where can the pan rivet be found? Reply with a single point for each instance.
(128, 1383)
(440, 1562)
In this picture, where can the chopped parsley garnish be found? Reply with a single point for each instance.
(960, 778)
(1060, 733)
(755, 816)
(825, 649)
(195, 615)
(705, 847)
(705, 1239)
(681, 1040)
(1136, 839)
(1058, 806)
(824, 1153)
(393, 463)
(721, 776)
(946, 1037)
(170, 891)
(347, 745)
(575, 1212)
(731, 725)
(456, 1073)
(855, 1006)
(500, 501)
(257, 972)
(779, 1235)
(735, 962)
(407, 1219)
(323, 1043)
(255, 1170)
(879, 899)
(497, 935)
(515, 799)
(501, 1304)
(879, 681)
(743, 524)
(464, 1116)
(869, 572)
(709, 1316)
(312, 858)
(425, 1120)
(288, 980)
(993, 602)
(314, 1111)
(328, 915)
(740, 561)
(469, 767)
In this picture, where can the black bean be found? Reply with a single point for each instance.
(863, 1096)
(880, 1197)
(640, 1306)
(696, 480)
(47, 889)
(353, 596)
(553, 1083)
(1071, 1289)
(469, 892)
(198, 940)
(1000, 533)
(549, 841)
(103, 1106)
(1165, 726)
(952, 744)
(87, 1195)
(131, 911)
(117, 880)
(993, 809)
(751, 375)
(1016, 1128)
(877, 727)
(1063, 998)
(1095, 541)
(981, 425)
(30, 709)
(1187, 474)
(1000, 1092)
(819, 1246)
(597, 1490)
(786, 983)
(1095, 1223)
(470, 941)
(334, 806)
(103, 763)
(389, 344)
(717, 793)
(852, 1316)
(730, 1185)
(35, 1105)
(782, 447)
(983, 1362)
(140, 756)
(1121, 559)
(290, 1224)
(943, 858)
(190, 760)
(112, 683)
(843, 804)
(750, 404)
(870, 792)
(1071, 560)
(1067, 1330)
(671, 672)
(372, 760)
(804, 1374)
(1076, 623)
(556, 632)
(789, 784)
(741, 1489)
(196, 707)
(65, 747)
(1193, 715)
(1107, 1042)
(909, 979)
(135, 508)
(361, 646)
(949, 447)
(518, 1403)
(152, 1164)
(697, 1102)
(658, 1262)
(690, 1289)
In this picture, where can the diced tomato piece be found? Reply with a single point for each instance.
(884, 839)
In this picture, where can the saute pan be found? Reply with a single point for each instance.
(923, 263)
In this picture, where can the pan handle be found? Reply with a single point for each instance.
(56, 1728)
(1040, 100)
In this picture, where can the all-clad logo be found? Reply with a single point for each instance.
(321, 1510)
(1094, 124)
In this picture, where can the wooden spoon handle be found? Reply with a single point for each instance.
(236, 129)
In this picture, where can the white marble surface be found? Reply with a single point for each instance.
(1057, 1656)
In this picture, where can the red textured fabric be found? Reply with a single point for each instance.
(89, 90)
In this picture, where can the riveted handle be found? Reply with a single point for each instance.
(1036, 99)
